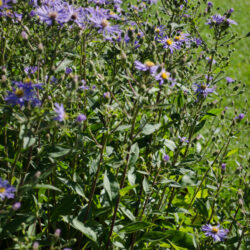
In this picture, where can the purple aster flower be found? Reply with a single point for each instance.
(182, 38)
(147, 66)
(4, 4)
(223, 166)
(166, 158)
(217, 233)
(84, 86)
(231, 11)
(50, 14)
(203, 89)
(183, 139)
(61, 115)
(169, 44)
(229, 79)
(68, 71)
(98, 18)
(6, 190)
(30, 70)
(209, 4)
(209, 58)
(198, 41)
(81, 117)
(16, 206)
(230, 21)
(159, 31)
(240, 117)
(162, 76)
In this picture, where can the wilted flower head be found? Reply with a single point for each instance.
(80, 118)
(217, 233)
(229, 79)
(6, 190)
(30, 70)
(16, 206)
(61, 115)
(183, 139)
(35, 245)
(57, 232)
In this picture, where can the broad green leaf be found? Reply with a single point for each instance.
(150, 128)
(46, 186)
(135, 226)
(133, 155)
(111, 186)
(76, 187)
(78, 225)
(127, 189)
(170, 144)
(232, 152)
(60, 152)
(61, 66)
(145, 185)
(28, 142)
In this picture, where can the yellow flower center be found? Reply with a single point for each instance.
(1, 2)
(27, 80)
(112, 13)
(131, 28)
(203, 86)
(215, 229)
(177, 38)
(164, 75)
(2, 189)
(157, 30)
(104, 23)
(169, 41)
(19, 93)
(149, 64)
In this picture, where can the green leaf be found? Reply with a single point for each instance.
(145, 185)
(46, 186)
(61, 152)
(150, 128)
(170, 144)
(232, 152)
(178, 238)
(28, 142)
(199, 126)
(111, 186)
(61, 66)
(133, 155)
(78, 225)
(135, 226)
(75, 186)
(127, 189)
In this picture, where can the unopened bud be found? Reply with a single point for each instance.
(24, 35)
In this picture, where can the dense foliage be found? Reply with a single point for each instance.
(114, 129)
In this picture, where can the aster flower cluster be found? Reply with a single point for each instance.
(151, 68)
